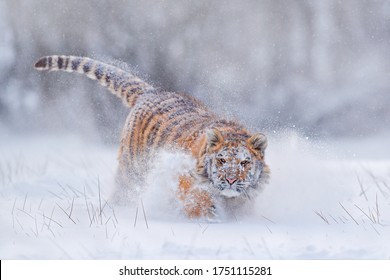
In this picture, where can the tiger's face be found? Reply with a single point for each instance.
(235, 163)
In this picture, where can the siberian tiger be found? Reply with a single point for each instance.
(230, 168)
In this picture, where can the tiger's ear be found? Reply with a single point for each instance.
(258, 142)
(213, 137)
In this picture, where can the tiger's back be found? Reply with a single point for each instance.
(166, 120)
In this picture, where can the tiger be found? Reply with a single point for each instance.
(229, 162)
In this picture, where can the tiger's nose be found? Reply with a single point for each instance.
(231, 180)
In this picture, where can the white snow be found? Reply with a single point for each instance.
(325, 201)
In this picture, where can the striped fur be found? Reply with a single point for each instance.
(230, 167)
(121, 83)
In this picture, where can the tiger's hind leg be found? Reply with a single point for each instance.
(197, 203)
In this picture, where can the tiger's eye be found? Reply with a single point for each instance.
(221, 160)
(244, 162)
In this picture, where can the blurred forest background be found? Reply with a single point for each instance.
(321, 67)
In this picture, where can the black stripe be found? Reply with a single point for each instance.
(149, 119)
(155, 112)
(135, 90)
(117, 83)
(163, 134)
(168, 130)
(223, 122)
(75, 64)
(124, 89)
(185, 125)
(87, 67)
(153, 133)
(140, 137)
(171, 106)
(50, 61)
(126, 85)
(135, 119)
(99, 72)
(108, 78)
(130, 134)
(159, 110)
(60, 62)
(42, 63)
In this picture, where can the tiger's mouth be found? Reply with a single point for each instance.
(229, 193)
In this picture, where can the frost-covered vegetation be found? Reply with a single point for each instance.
(54, 203)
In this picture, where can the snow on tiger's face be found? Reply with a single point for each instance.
(235, 162)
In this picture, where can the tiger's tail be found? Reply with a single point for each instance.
(119, 82)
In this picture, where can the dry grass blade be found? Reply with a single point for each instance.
(36, 227)
(2, 175)
(17, 220)
(322, 216)
(93, 214)
(114, 234)
(54, 194)
(109, 218)
(70, 218)
(349, 214)
(40, 204)
(21, 210)
(377, 208)
(269, 229)
(76, 192)
(365, 214)
(363, 192)
(136, 217)
(66, 194)
(13, 215)
(375, 230)
(86, 204)
(143, 210)
(334, 219)
(113, 212)
(71, 207)
(375, 179)
(386, 185)
(25, 199)
(268, 219)
(51, 219)
(100, 204)
(44, 224)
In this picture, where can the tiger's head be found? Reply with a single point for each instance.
(234, 162)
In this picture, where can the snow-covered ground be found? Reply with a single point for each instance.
(325, 201)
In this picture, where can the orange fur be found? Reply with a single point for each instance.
(197, 203)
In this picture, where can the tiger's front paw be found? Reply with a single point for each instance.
(213, 216)
(199, 204)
